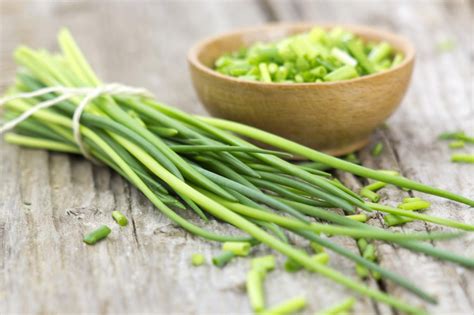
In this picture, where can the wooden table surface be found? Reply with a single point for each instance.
(48, 200)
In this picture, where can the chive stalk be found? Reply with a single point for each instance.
(97, 235)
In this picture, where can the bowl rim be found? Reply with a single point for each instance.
(408, 50)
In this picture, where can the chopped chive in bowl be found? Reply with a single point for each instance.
(316, 56)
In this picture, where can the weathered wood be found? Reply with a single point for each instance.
(48, 201)
(437, 102)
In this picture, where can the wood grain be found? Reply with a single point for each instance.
(47, 200)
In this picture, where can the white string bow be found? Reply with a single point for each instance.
(89, 94)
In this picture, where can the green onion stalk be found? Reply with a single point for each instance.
(182, 161)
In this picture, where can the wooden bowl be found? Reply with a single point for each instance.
(334, 117)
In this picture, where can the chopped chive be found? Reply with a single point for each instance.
(362, 244)
(292, 266)
(351, 157)
(255, 292)
(414, 205)
(462, 158)
(397, 59)
(380, 52)
(97, 235)
(238, 248)
(375, 186)
(197, 259)
(358, 217)
(343, 57)
(394, 220)
(457, 144)
(342, 73)
(369, 194)
(377, 149)
(287, 307)
(223, 258)
(369, 253)
(339, 309)
(317, 248)
(265, 263)
(322, 258)
(411, 199)
(119, 218)
(264, 73)
(361, 271)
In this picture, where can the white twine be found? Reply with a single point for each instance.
(88, 93)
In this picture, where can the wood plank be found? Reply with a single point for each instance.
(435, 103)
(48, 201)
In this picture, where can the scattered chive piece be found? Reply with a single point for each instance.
(369, 194)
(238, 248)
(265, 263)
(287, 307)
(414, 205)
(375, 186)
(292, 265)
(394, 220)
(351, 157)
(457, 135)
(446, 45)
(222, 259)
(377, 149)
(97, 235)
(322, 258)
(317, 248)
(362, 244)
(339, 309)
(119, 218)
(197, 259)
(361, 271)
(255, 292)
(411, 199)
(358, 217)
(462, 158)
(457, 144)
(369, 253)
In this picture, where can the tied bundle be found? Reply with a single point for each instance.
(180, 161)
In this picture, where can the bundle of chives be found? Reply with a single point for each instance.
(176, 159)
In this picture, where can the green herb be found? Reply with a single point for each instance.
(457, 144)
(238, 248)
(200, 163)
(377, 149)
(222, 259)
(265, 263)
(369, 194)
(197, 259)
(358, 217)
(255, 291)
(462, 158)
(375, 186)
(322, 258)
(342, 308)
(414, 205)
(120, 218)
(97, 235)
(446, 45)
(329, 56)
(411, 199)
(287, 307)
